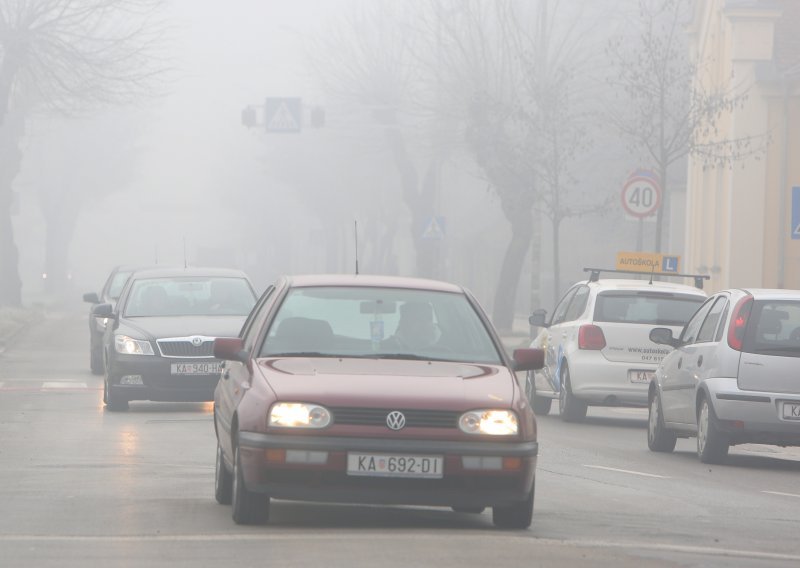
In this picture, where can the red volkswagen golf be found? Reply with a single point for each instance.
(371, 389)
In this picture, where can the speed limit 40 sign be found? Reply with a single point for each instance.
(641, 195)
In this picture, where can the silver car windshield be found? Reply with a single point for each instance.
(380, 322)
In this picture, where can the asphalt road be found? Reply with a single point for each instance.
(80, 486)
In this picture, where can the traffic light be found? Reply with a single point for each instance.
(317, 117)
(249, 117)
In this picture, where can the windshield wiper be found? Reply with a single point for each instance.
(406, 356)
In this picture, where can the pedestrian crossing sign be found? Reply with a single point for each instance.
(283, 114)
(434, 228)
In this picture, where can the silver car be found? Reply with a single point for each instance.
(733, 377)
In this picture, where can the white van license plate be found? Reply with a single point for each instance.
(641, 376)
(791, 410)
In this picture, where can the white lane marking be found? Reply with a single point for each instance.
(782, 494)
(627, 471)
(397, 535)
(63, 385)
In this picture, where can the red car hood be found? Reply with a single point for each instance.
(387, 383)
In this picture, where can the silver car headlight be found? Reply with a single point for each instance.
(489, 422)
(298, 415)
(130, 346)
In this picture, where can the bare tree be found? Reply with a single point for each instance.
(667, 112)
(67, 56)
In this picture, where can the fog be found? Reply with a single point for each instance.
(435, 113)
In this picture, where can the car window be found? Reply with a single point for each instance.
(386, 322)
(117, 283)
(254, 321)
(578, 304)
(190, 296)
(652, 308)
(561, 308)
(774, 328)
(709, 327)
(692, 328)
(723, 318)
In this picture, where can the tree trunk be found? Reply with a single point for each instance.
(521, 221)
(11, 132)
(662, 209)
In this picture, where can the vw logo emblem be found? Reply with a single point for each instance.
(197, 341)
(395, 420)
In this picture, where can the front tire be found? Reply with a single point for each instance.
(541, 405)
(517, 516)
(570, 408)
(249, 508)
(659, 439)
(712, 444)
(223, 480)
(96, 361)
(113, 400)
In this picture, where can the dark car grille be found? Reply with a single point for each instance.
(377, 417)
(186, 348)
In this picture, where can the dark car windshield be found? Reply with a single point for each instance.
(774, 328)
(190, 296)
(380, 322)
(652, 308)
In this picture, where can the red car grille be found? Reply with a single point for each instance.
(377, 417)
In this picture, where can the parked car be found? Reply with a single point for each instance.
(159, 341)
(97, 326)
(733, 377)
(373, 389)
(597, 349)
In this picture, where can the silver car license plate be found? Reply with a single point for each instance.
(791, 411)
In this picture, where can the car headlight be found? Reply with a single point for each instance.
(130, 346)
(298, 415)
(489, 422)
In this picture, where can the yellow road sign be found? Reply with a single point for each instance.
(654, 262)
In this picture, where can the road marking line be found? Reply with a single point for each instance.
(627, 471)
(782, 494)
(63, 385)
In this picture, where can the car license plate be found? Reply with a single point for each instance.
(390, 465)
(208, 368)
(791, 410)
(641, 376)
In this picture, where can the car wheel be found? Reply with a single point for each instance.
(659, 439)
(114, 401)
(96, 361)
(712, 444)
(517, 516)
(223, 480)
(540, 404)
(570, 408)
(248, 508)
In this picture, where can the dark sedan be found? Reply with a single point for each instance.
(370, 389)
(159, 341)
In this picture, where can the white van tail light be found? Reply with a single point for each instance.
(591, 337)
(741, 314)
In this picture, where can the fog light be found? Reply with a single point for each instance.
(131, 380)
(512, 463)
(303, 456)
(478, 462)
(277, 456)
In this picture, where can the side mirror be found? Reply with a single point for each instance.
(91, 297)
(230, 349)
(539, 318)
(528, 359)
(663, 336)
(103, 311)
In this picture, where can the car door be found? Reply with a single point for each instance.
(557, 333)
(678, 383)
(236, 375)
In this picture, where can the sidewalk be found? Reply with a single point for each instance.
(14, 320)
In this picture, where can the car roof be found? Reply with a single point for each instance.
(372, 281)
(176, 272)
(644, 285)
(772, 293)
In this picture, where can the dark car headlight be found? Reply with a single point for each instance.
(130, 346)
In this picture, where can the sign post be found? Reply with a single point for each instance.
(641, 198)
